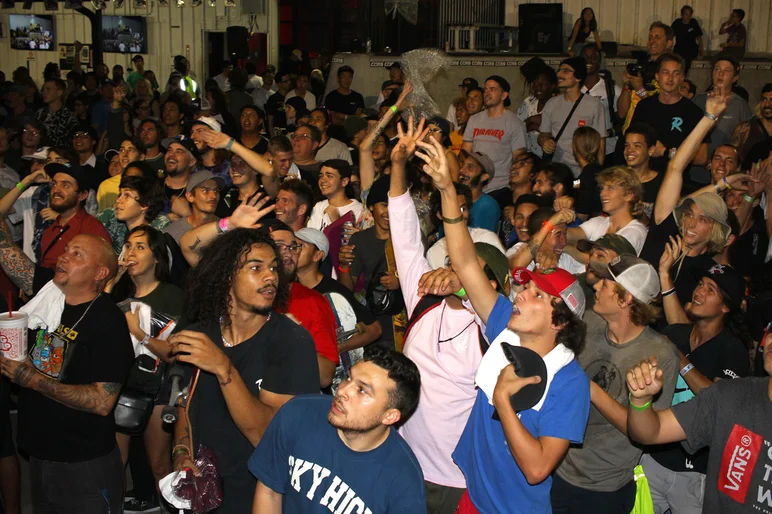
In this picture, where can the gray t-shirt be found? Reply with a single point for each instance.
(732, 417)
(588, 114)
(737, 110)
(178, 228)
(333, 149)
(606, 460)
(497, 138)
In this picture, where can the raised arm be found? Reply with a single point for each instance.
(674, 311)
(644, 424)
(670, 190)
(19, 268)
(461, 250)
(13, 194)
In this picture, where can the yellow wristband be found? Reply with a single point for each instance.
(394, 109)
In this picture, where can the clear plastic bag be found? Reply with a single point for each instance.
(203, 491)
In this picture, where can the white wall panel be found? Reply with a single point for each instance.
(169, 27)
(627, 21)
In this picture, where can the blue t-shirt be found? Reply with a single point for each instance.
(494, 480)
(302, 457)
(485, 213)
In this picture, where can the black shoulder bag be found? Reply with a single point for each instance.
(547, 157)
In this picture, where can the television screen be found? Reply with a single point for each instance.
(124, 34)
(32, 32)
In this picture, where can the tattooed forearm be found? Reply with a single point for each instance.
(19, 268)
(195, 244)
(98, 398)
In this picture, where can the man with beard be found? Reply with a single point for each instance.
(67, 198)
(150, 132)
(203, 193)
(349, 442)
(553, 181)
(497, 133)
(757, 131)
(251, 360)
(251, 121)
(245, 187)
(711, 349)
(726, 72)
(309, 308)
(57, 118)
(70, 383)
(520, 183)
(180, 161)
(84, 140)
(208, 158)
(172, 114)
(478, 169)
(294, 203)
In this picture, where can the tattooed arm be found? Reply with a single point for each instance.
(19, 268)
(97, 398)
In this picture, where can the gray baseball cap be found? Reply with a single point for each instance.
(637, 276)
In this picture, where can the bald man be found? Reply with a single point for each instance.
(70, 383)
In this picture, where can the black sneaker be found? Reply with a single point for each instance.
(129, 495)
(135, 506)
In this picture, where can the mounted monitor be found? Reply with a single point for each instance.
(124, 34)
(32, 32)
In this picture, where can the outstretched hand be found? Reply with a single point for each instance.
(250, 212)
(216, 140)
(433, 154)
(716, 102)
(406, 145)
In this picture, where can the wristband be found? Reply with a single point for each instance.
(145, 339)
(230, 144)
(394, 109)
(711, 117)
(550, 226)
(20, 186)
(748, 199)
(642, 407)
(180, 448)
(343, 269)
(460, 293)
(668, 292)
(222, 225)
(453, 221)
(718, 188)
(641, 92)
(686, 369)
(727, 184)
(672, 152)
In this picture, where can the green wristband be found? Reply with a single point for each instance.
(20, 186)
(230, 144)
(460, 293)
(394, 109)
(642, 407)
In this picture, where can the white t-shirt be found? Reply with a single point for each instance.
(565, 261)
(635, 231)
(320, 220)
(438, 253)
(309, 98)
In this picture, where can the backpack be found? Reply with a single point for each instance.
(616, 122)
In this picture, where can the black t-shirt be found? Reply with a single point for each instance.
(370, 261)
(157, 164)
(98, 349)
(261, 147)
(686, 35)
(684, 279)
(724, 357)
(274, 106)
(229, 200)
(758, 318)
(672, 123)
(336, 101)
(588, 197)
(759, 152)
(650, 191)
(748, 251)
(328, 285)
(280, 358)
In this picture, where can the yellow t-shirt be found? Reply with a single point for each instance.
(108, 192)
(456, 140)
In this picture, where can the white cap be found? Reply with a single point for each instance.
(41, 154)
(316, 238)
(637, 276)
(209, 122)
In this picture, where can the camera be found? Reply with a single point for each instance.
(634, 69)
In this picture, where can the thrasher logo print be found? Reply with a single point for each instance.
(740, 454)
(497, 133)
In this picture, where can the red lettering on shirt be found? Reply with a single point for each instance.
(582, 123)
(740, 454)
(498, 134)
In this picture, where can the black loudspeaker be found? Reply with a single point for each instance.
(238, 47)
(541, 28)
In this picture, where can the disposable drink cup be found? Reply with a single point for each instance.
(13, 335)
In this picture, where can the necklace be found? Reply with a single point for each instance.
(227, 343)
(440, 341)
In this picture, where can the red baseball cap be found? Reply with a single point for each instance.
(555, 282)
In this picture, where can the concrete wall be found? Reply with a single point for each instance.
(627, 21)
(171, 31)
(370, 72)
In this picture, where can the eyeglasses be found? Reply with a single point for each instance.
(32, 131)
(293, 248)
(301, 136)
(79, 135)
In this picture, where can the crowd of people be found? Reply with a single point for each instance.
(509, 309)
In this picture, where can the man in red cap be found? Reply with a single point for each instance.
(507, 462)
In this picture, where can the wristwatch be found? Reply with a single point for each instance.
(672, 152)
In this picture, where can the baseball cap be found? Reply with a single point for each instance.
(379, 191)
(712, 206)
(637, 276)
(608, 241)
(183, 141)
(109, 154)
(202, 176)
(270, 225)
(469, 82)
(353, 125)
(389, 83)
(527, 363)
(41, 154)
(483, 161)
(209, 122)
(728, 279)
(74, 171)
(556, 282)
(496, 261)
(579, 64)
(395, 64)
(316, 238)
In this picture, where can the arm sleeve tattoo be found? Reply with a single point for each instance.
(19, 268)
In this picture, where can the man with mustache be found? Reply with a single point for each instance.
(180, 161)
(203, 193)
(478, 169)
(252, 360)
